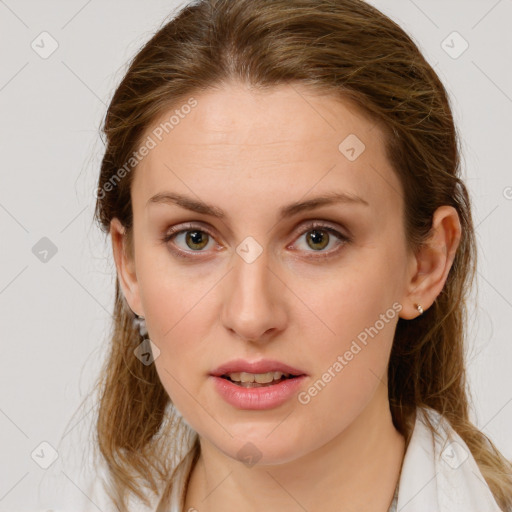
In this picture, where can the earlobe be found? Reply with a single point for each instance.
(433, 261)
(125, 265)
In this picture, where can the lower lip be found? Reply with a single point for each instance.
(266, 397)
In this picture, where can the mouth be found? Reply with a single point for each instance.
(258, 380)
(242, 391)
(239, 381)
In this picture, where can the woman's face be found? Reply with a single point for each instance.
(257, 284)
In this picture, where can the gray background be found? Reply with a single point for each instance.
(55, 313)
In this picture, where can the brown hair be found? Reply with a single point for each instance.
(351, 50)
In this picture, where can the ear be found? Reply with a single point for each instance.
(431, 264)
(125, 264)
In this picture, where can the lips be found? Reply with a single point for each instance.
(261, 366)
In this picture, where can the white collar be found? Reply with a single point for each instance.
(439, 473)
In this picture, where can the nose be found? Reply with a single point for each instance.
(253, 307)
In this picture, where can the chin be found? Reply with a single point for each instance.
(260, 450)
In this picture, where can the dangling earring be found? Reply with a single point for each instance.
(139, 322)
(146, 351)
(419, 308)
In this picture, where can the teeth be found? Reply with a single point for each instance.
(260, 378)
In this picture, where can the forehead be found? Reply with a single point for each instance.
(284, 142)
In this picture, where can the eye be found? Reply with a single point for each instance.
(319, 236)
(192, 239)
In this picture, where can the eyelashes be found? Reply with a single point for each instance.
(198, 234)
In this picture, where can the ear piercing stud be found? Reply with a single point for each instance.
(419, 308)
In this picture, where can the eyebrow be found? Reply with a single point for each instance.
(284, 212)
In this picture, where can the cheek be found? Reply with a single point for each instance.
(179, 313)
(351, 363)
(351, 332)
(344, 302)
(174, 295)
(182, 341)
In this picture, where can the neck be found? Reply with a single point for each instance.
(357, 470)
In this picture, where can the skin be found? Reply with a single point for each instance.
(250, 153)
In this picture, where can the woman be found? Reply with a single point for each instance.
(294, 247)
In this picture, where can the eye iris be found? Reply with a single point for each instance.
(316, 236)
(195, 237)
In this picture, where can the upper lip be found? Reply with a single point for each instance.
(261, 366)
